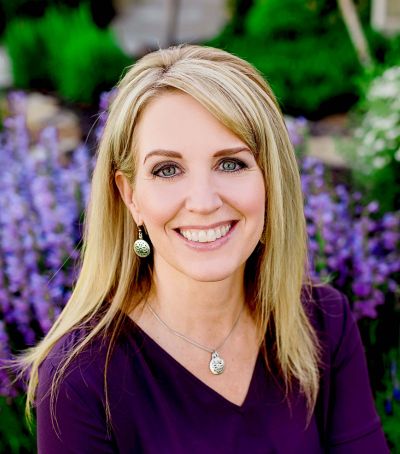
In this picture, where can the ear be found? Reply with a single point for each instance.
(127, 194)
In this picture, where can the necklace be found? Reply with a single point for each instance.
(217, 364)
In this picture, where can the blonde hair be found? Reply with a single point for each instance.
(113, 280)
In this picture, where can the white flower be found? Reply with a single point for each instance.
(379, 145)
(392, 73)
(369, 138)
(379, 162)
(385, 123)
(386, 91)
(392, 134)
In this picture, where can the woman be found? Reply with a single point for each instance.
(192, 326)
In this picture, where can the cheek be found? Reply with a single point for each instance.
(158, 204)
(250, 198)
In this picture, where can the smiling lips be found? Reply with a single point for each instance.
(207, 235)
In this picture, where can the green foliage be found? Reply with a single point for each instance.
(267, 20)
(15, 436)
(25, 46)
(388, 401)
(66, 51)
(393, 54)
(26, 8)
(298, 73)
(11, 8)
(374, 155)
(304, 51)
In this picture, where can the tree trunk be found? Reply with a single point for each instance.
(352, 21)
(172, 21)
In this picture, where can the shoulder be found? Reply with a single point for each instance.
(345, 411)
(324, 304)
(70, 401)
(331, 316)
(79, 369)
(84, 371)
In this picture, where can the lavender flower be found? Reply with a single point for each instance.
(359, 252)
(42, 198)
(41, 201)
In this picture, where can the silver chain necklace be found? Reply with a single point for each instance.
(217, 364)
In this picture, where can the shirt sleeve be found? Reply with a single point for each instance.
(79, 424)
(353, 423)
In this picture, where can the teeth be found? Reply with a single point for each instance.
(206, 236)
(211, 235)
(202, 236)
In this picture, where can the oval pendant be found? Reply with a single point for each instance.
(141, 248)
(217, 364)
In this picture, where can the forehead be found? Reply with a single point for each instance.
(177, 121)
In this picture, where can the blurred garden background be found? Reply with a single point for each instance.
(335, 68)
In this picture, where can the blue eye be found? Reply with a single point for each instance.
(232, 165)
(168, 170)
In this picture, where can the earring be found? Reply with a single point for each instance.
(141, 246)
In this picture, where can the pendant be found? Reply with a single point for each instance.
(217, 364)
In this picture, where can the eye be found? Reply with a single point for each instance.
(168, 170)
(232, 165)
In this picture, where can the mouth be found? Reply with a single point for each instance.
(209, 235)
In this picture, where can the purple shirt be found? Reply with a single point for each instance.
(158, 406)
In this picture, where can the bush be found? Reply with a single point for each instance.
(304, 51)
(348, 243)
(12, 9)
(375, 154)
(388, 400)
(42, 198)
(392, 51)
(27, 50)
(15, 436)
(64, 50)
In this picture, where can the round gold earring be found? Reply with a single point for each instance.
(141, 246)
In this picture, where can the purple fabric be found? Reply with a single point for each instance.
(158, 406)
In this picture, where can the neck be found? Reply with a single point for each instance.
(205, 311)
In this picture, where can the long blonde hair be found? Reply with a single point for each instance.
(113, 280)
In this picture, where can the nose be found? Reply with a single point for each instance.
(203, 196)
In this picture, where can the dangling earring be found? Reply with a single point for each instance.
(141, 246)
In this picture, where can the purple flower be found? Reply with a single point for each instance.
(42, 199)
(359, 251)
(361, 289)
(373, 207)
(388, 406)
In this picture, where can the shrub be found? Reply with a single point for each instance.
(392, 55)
(348, 243)
(304, 51)
(15, 436)
(388, 400)
(27, 51)
(12, 9)
(42, 198)
(298, 129)
(66, 51)
(374, 156)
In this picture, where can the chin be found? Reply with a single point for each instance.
(209, 275)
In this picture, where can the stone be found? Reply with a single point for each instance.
(44, 110)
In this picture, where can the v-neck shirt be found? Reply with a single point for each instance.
(159, 406)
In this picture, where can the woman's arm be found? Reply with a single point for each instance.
(353, 423)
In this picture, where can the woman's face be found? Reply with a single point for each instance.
(198, 190)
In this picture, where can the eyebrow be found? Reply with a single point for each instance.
(176, 154)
